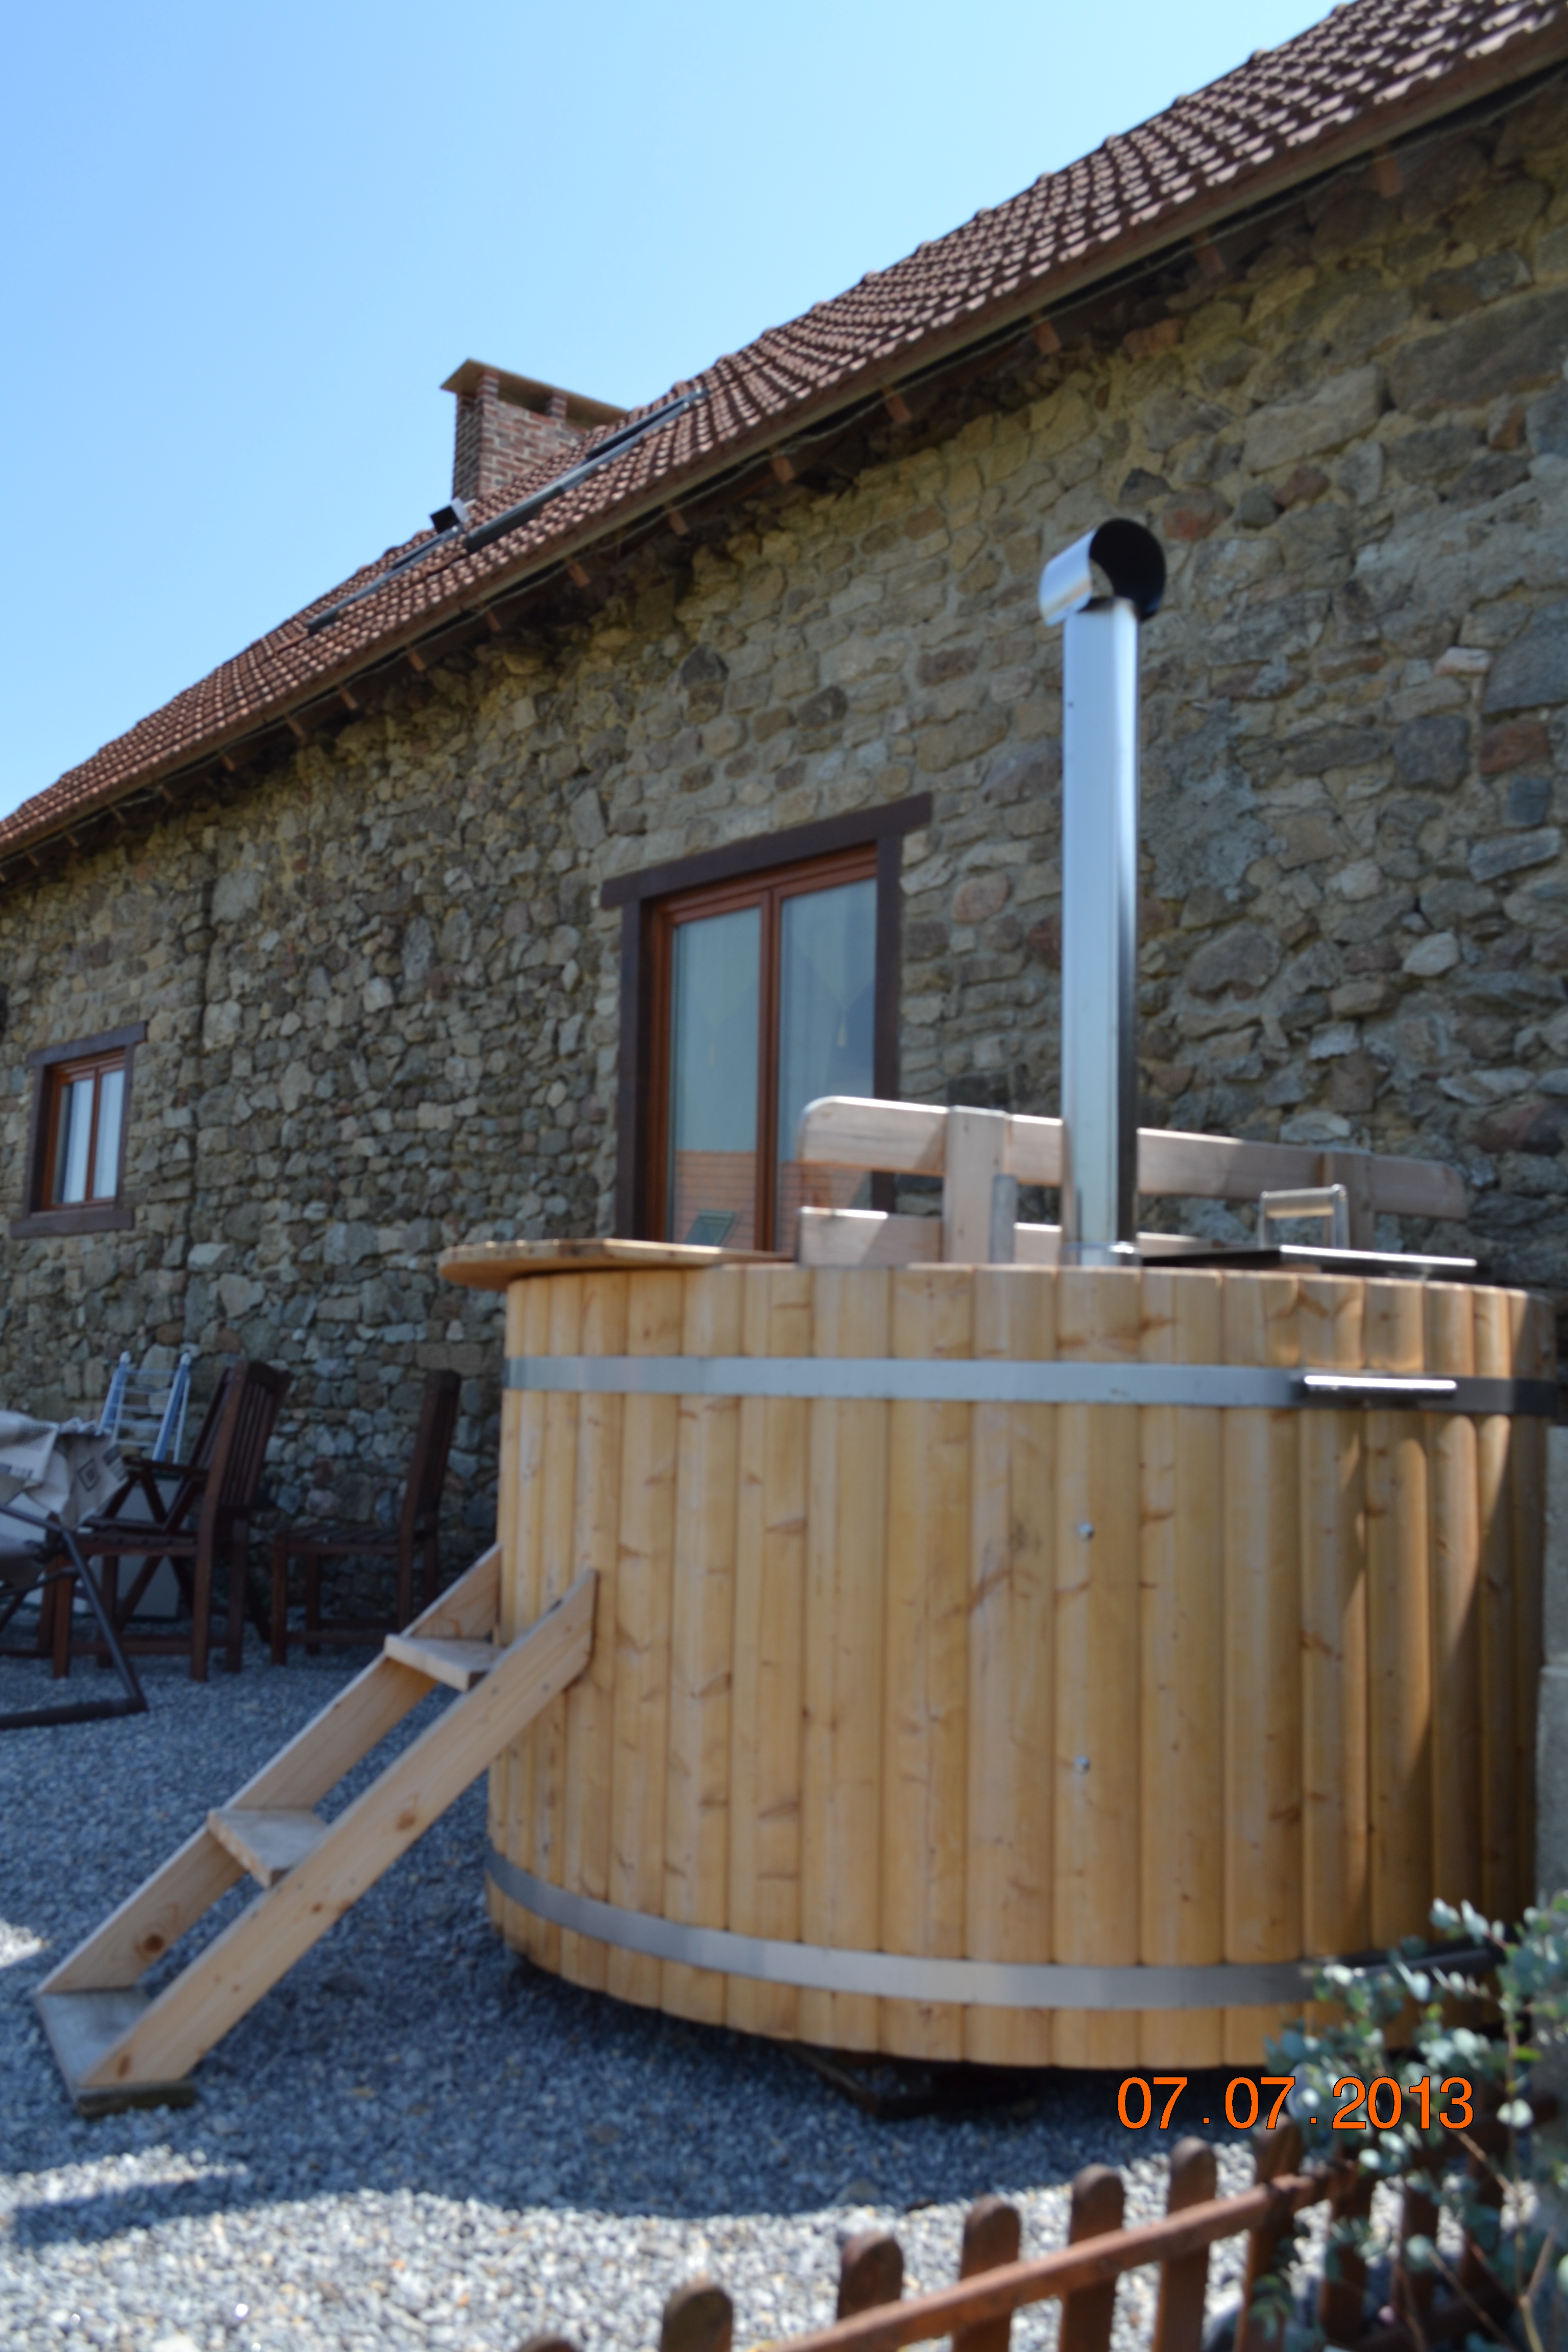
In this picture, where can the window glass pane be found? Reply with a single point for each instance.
(106, 1156)
(75, 1135)
(827, 976)
(713, 1079)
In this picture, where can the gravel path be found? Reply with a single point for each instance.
(416, 2139)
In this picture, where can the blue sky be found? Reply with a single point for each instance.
(246, 245)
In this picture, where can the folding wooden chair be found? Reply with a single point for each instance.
(32, 1547)
(197, 1516)
(417, 1530)
(146, 1409)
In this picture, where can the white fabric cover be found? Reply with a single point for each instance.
(69, 1468)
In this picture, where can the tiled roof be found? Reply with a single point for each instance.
(1369, 72)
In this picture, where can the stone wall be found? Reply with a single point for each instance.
(382, 995)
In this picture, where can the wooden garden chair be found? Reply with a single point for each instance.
(417, 1531)
(197, 1516)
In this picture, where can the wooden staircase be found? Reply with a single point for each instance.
(117, 2047)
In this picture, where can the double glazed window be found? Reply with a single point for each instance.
(754, 976)
(76, 1159)
(767, 999)
(87, 1124)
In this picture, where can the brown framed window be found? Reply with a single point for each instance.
(75, 1162)
(754, 978)
(764, 998)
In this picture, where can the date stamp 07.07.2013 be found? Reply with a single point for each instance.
(1377, 2106)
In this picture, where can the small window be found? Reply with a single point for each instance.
(87, 1117)
(81, 1102)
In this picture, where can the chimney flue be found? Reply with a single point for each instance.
(1099, 880)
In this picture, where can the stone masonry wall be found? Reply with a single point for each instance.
(382, 995)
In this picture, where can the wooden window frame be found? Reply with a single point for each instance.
(767, 890)
(50, 1064)
(876, 834)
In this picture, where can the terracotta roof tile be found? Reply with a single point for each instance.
(1377, 64)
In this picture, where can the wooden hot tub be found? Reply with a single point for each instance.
(1012, 1662)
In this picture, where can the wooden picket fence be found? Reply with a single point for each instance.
(976, 2311)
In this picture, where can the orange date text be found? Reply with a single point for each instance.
(1377, 2106)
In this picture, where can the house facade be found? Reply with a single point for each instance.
(707, 759)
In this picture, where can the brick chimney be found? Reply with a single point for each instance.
(507, 425)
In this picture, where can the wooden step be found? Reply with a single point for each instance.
(460, 1664)
(116, 2047)
(83, 2029)
(268, 1843)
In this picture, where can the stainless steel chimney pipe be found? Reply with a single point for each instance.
(1099, 880)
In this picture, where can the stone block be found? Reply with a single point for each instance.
(1517, 743)
(586, 817)
(1354, 999)
(1529, 1126)
(1353, 1083)
(1258, 508)
(348, 1244)
(1318, 536)
(1434, 751)
(1438, 952)
(1324, 747)
(1531, 672)
(980, 897)
(1510, 347)
(236, 895)
(1245, 959)
(1490, 476)
(1362, 216)
(1174, 415)
(1337, 410)
(1339, 1037)
(1305, 836)
(1363, 878)
(239, 1295)
(1361, 471)
(1528, 800)
(1449, 293)
(1455, 900)
(220, 1027)
(1546, 423)
(1434, 453)
(1501, 215)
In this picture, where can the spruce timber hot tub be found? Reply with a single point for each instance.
(1023, 1664)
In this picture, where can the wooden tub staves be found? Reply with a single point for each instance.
(1024, 1664)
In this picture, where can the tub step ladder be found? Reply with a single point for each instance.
(116, 2046)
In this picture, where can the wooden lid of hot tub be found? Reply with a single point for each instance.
(492, 1265)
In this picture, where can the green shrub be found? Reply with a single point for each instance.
(1500, 2174)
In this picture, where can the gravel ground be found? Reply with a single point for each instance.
(415, 2138)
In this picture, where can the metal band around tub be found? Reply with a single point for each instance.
(899, 1976)
(924, 1380)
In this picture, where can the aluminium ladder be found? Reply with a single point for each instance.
(117, 2047)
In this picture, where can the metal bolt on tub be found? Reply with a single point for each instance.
(1099, 880)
